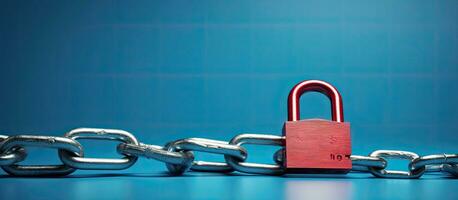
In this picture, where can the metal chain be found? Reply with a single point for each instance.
(80, 162)
(179, 155)
(13, 143)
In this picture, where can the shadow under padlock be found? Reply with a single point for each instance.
(317, 145)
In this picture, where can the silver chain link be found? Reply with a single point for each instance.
(256, 168)
(80, 162)
(14, 156)
(381, 172)
(13, 143)
(179, 155)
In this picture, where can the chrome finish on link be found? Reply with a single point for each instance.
(434, 160)
(412, 173)
(15, 143)
(433, 168)
(13, 156)
(99, 163)
(158, 153)
(279, 156)
(204, 145)
(179, 157)
(451, 169)
(209, 146)
(437, 163)
(255, 168)
(362, 163)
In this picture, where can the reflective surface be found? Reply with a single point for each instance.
(214, 186)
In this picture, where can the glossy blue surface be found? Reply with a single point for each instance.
(214, 69)
(210, 186)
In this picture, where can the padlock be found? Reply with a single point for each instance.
(317, 145)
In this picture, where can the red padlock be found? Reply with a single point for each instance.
(317, 145)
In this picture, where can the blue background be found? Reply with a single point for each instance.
(165, 70)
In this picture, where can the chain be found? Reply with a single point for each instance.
(179, 155)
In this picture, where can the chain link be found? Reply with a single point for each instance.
(179, 155)
(451, 169)
(438, 162)
(210, 146)
(14, 156)
(80, 162)
(383, 173)
(158, 153)
(363, 163)
(256, 168)
(13, 143)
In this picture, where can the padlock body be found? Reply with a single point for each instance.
(317, 146)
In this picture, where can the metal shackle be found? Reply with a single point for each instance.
(316, 86)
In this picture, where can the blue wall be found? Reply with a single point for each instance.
(173, 69)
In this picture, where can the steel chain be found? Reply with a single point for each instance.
(256, 168)
(14, 143)
(13, 156)
(209, 146)
(179, 155)
(80, 162)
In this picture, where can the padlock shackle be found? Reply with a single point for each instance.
(316, 86)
